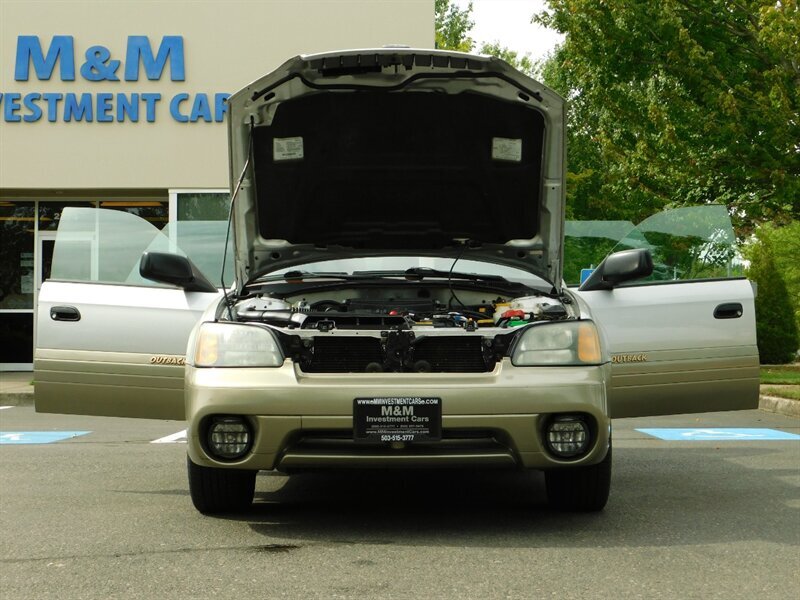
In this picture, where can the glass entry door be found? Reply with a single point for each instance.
(17, 282)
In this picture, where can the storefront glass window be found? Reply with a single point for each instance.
(17, 220)
(200, 232)
(154, 211)
(50, 213)
(211, 206)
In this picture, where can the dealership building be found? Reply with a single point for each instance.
(121, 105)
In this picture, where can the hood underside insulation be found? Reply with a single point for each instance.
(399, 170)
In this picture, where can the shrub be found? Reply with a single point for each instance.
(776, 327)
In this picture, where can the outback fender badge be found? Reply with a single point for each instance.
(167, 360)
(627, 358)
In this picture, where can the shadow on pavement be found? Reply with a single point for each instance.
(679, 496)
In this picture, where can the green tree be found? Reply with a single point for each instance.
(776, 326)
(452, 26)
(680, 102)
(784, 244)
(521, 62)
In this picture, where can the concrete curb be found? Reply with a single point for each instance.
(782, 406)
(16, 399)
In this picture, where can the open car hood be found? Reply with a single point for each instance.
(397, 152)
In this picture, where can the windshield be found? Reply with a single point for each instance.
(352, 266)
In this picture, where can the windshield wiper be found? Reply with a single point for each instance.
(420, 273)
(302, 276)
(412, 274)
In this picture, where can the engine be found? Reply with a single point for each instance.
(426, 333)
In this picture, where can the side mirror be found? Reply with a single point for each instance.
(174, 269)
(619, 267)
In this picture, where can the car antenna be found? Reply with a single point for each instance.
(230, 215)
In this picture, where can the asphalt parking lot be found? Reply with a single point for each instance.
(107, 514)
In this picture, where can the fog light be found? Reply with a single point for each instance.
(567, 436)
(229, 437)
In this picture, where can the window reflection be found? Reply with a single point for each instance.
(50, 213)
(16, 254)
(154, 211)
(206, 206)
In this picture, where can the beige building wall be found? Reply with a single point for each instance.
(227, 44)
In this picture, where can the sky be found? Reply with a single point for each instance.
(509, 22)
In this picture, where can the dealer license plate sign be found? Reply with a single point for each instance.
(397, 419)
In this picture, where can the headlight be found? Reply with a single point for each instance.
(566, 343)
(232, 345)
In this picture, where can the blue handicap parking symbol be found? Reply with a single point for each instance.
(37, 437)
(720, 434)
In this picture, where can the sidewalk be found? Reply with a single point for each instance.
(16, 390)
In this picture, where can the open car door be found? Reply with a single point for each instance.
(684, 340)
(108, 341)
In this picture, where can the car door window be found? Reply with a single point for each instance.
(587, 243)
(687, 243)
(105, 246)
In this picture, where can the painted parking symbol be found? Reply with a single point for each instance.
(720, 434)
(38, 437)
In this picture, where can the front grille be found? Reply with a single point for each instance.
(435, 354)
(315, 449)
(344, 355)
(451, 354)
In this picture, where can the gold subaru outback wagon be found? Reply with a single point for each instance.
(392, 294)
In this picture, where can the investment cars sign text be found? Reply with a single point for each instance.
(97, 66)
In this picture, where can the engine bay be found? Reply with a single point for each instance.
(408, 328)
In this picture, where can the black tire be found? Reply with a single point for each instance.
(582, 489)
(220, 490)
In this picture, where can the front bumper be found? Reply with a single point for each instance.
(305, 421)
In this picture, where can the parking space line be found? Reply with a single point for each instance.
(4, 407)
(175, 438)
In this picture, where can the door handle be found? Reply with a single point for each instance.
(65, 313)
(729, 310)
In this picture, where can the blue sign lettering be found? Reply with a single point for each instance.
(175, 108)
(129, 107)
(201, 109)
(220, 107)
(30, 102)
(29, 50)
(150, 103)
(139, 49)
(104, 108)
(52, 105)
(98, 67)
(10, 107)
(78, 110)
